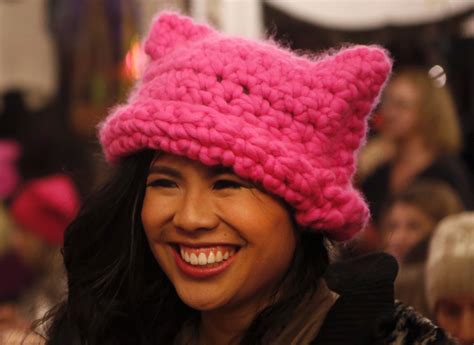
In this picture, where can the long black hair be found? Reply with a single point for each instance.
(117, 292)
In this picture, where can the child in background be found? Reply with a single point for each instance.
(450, 276)
(410, 216)
(407, 223)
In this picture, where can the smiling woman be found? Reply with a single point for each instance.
(233, 162)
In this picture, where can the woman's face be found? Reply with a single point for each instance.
(400, 109)
(222, 243)
(456, 315)
(403, 227)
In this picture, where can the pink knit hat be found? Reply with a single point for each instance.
(290, 123)
(46, 206)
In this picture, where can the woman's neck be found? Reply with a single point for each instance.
(413, 150)
(219, 327)
(412, 157)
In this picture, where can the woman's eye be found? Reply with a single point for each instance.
(163, 183)
(223, 184)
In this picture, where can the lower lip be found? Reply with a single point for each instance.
(202, 271)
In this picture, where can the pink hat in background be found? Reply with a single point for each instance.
(289, 123)
(46, 206)
(9, 176)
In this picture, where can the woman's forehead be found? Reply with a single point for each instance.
(181, 163)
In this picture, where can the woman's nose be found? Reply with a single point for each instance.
(195, 212)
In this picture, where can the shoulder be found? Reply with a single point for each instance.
(450, 169)
(15, 337)
(412, 328)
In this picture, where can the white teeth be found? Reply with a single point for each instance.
(202, 259)
(211, 259)
(194, 259)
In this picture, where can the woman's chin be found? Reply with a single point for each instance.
(201, 301)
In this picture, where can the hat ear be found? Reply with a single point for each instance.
(355, 75)
(351, 81)
(170, 30)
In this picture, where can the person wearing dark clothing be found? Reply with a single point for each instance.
(446, 169)
(421, 123)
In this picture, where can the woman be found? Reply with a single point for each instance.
(408, 221)
(449, 276)
(229, 152)
(420, 120)
(410, 217)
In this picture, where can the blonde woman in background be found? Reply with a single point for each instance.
(420, 124)
(450, 276)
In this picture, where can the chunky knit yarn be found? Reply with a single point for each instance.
(45, 206)
(289, 123)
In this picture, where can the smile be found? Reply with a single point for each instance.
(206, 256)
(205, 261)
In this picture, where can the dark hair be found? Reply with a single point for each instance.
(118, 293)
(436, 199)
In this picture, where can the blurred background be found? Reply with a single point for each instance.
(65, 63)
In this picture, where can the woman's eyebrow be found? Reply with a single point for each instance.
(158, 169)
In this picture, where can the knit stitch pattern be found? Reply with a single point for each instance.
(289, 123)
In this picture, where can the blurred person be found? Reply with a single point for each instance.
(9, 175)
(420, 119)
(450, 276)
(9, 178)
(407, 224)
(15, 275)
(410, 216)
(12, 266)
(41, 211)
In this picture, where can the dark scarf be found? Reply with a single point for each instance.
(366, 312)
(363, 314)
